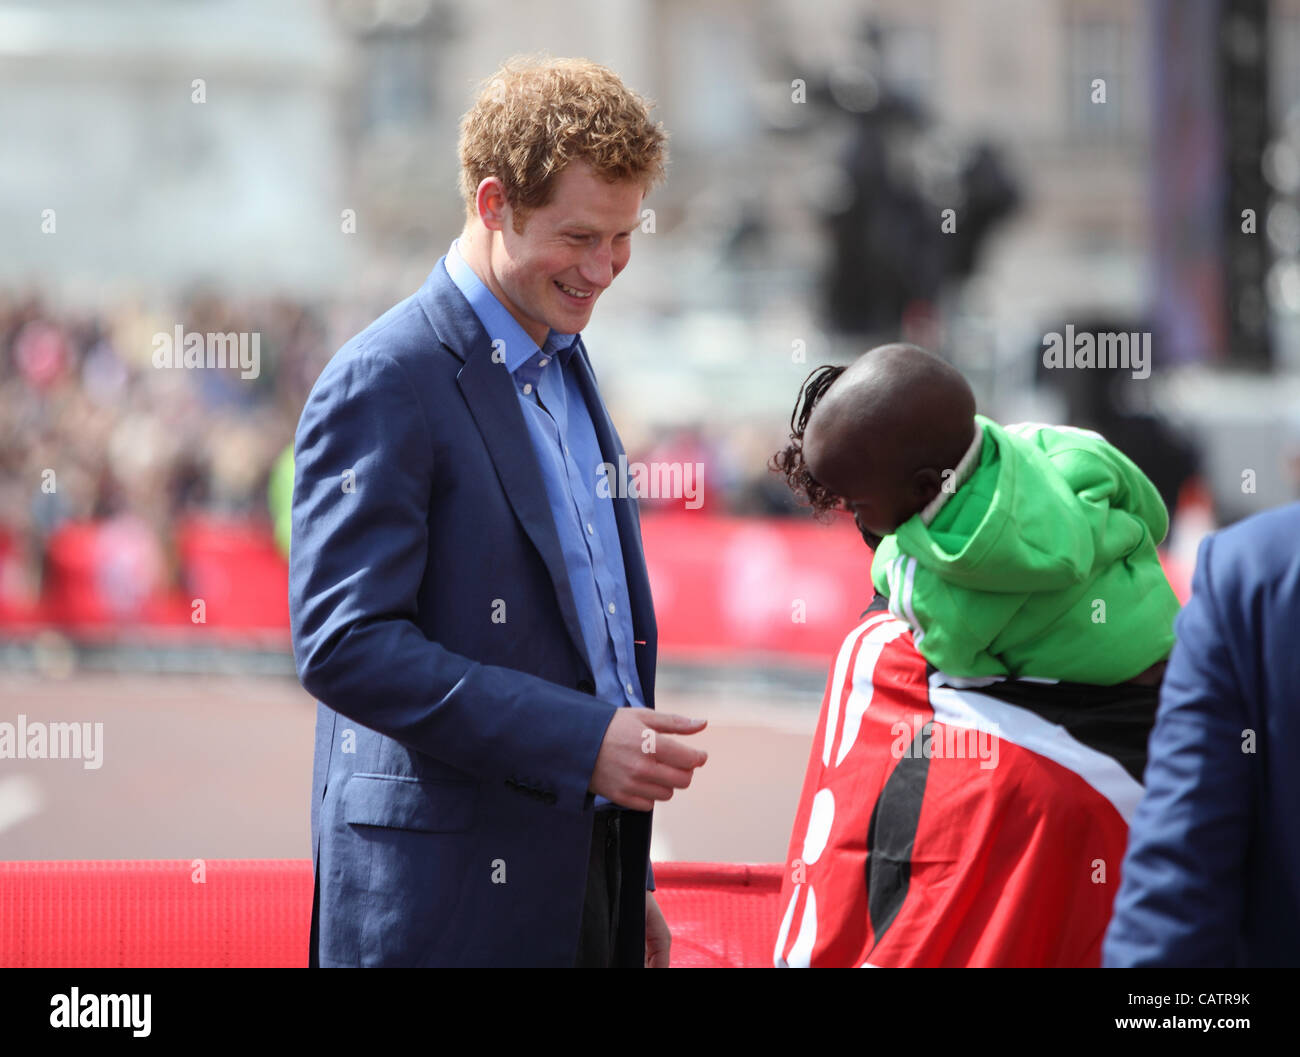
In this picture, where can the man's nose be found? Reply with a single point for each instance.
(598, 267)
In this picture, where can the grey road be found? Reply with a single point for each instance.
(209, 766)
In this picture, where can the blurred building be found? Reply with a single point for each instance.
(152, 145)
(320, 164)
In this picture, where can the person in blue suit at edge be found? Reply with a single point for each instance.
(468, 593)
(1212, 872)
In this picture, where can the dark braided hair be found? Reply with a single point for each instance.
(789, 460)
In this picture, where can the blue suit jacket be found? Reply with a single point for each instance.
(433, 620)
(1212, 873)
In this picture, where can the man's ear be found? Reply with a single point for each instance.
(926, 484)
(491, 203)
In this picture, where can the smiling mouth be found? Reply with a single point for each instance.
(577, 295)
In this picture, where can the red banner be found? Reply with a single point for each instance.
(722, 586)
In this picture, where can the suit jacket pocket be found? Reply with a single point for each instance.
(408, 803)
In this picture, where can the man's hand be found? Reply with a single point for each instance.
(657, 937)
(637, 765)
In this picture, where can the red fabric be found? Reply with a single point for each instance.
(1003, 868)
(722, 585)
(721, 914)
(256, 913)
(156, 913)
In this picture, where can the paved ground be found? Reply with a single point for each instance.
(220, 767)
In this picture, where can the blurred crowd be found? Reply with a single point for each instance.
(91, 430)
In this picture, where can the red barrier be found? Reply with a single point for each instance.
(722, 585)
(111, 577)
(244, 913)
(722, 915)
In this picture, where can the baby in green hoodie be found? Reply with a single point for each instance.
(1022, 551)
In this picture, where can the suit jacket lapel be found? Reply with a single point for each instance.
(493, 402)
(626, 512)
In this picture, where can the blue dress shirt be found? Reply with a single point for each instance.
(564, 440)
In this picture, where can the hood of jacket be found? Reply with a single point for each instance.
(1036, 508)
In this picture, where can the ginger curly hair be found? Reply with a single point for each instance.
(535, 115)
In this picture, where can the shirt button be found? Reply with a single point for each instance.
(543, 362)
(629, 689)
(590, 530)
(611, 607)
(528, 388)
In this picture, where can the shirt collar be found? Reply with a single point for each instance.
(519, 348)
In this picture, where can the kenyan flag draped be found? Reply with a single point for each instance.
(947, 824)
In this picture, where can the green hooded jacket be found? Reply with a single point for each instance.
(1038, 559)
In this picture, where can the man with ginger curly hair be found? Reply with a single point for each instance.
(469, 608)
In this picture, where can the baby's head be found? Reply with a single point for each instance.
(878, 434)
